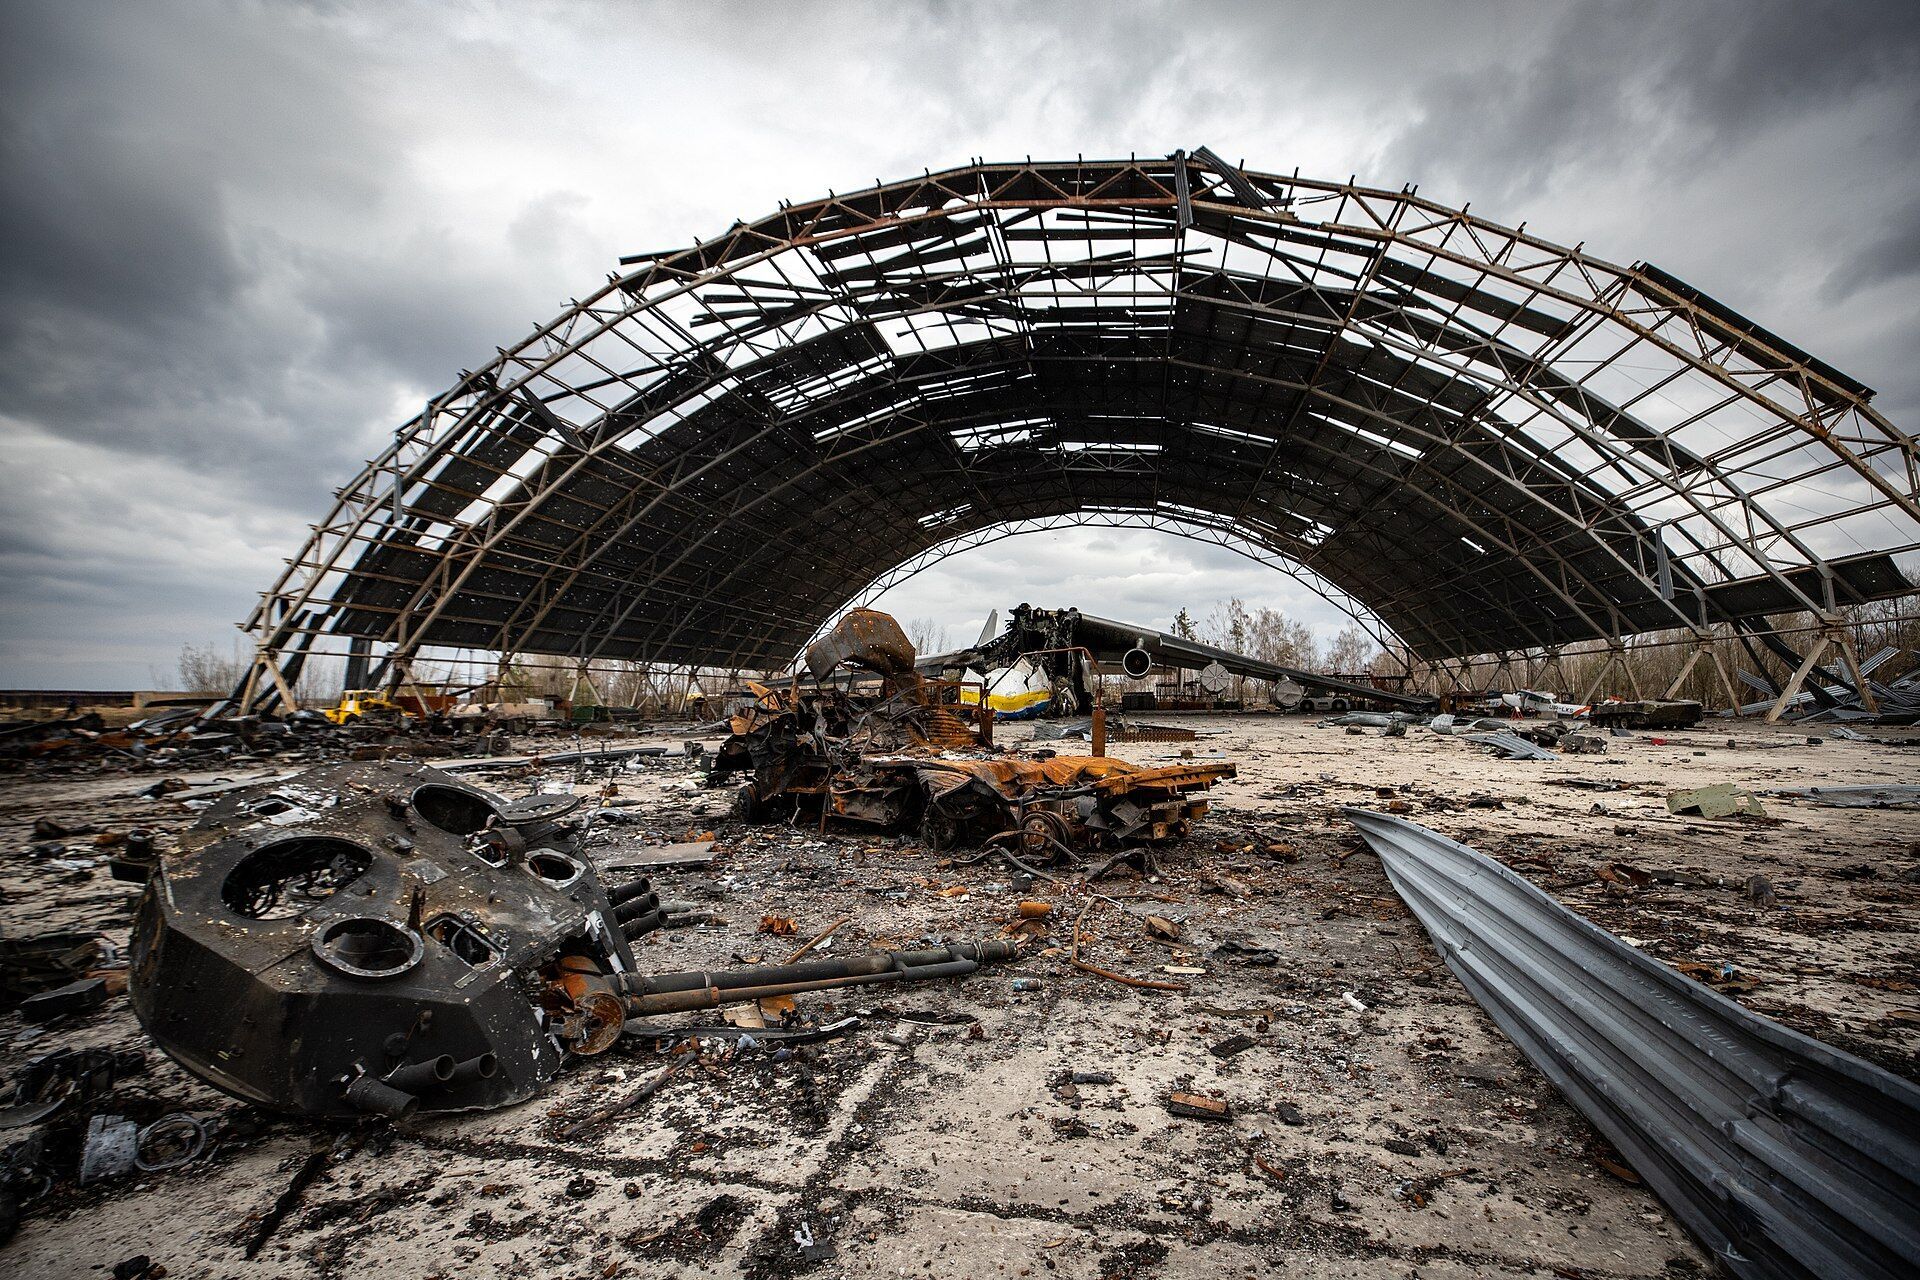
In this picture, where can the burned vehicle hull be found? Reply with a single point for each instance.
(1070, 802)
(884, 758)
(375, 937)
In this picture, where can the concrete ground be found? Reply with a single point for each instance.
(1381, 1125)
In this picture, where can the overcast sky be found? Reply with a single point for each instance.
(240, 242)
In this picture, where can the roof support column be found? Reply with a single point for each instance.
(1799, 676)
(1550, 663)
(1843, 639)
(1706, 645)
(1616, 658)
(266, 662)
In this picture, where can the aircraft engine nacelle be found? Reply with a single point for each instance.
(1136, 662)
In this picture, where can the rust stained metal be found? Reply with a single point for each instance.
(1150, 733)
(866, 638)
(1059, 804)
(840, 753)
(1017, 775)
(1462, 326)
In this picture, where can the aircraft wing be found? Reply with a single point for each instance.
(1109, 640)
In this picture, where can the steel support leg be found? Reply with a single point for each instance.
(1779, 707)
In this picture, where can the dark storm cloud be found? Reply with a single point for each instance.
(241, 241)
(138, 309)
(1655, 83)
(154, 304)
(1769, 153)
(1893, 256)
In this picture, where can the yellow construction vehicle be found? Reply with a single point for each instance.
(355, 703)
(411, 701)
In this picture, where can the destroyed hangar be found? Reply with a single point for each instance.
(1492, 450)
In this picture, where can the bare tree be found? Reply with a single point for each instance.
(1228, 626)
(1275, 638)
(1350, 652)
(928, 636)
(1265, 634)
(204, 669)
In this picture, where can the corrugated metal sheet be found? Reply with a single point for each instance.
(1785, 1156)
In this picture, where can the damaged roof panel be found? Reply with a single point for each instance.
(1788, 1158)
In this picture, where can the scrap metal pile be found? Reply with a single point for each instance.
(184, 737)
(381, 937)
(893, 757)
(1831, 696)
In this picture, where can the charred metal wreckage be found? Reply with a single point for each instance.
(840, 747)
(376, 938)
(383, 937)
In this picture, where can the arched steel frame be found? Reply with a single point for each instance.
(1490, 441)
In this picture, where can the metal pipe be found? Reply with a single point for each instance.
(710, 997)
(635, 907)
(628, 892)
(417, 1077)
(375, 1097)
(871, 962)
(680, 992)
(482, 1067)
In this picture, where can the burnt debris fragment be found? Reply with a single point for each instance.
(870, 739)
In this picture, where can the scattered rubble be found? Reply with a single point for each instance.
(1511, 745)
(1233, 955)
(178, 739)
(1834, 697)
(1891, 797)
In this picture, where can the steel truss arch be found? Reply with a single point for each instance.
(1486, 440)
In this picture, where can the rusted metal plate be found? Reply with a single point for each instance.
(1150, 733)
(866, 638)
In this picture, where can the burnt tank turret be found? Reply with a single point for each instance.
(381, 937)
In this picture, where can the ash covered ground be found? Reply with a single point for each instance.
(1380, 1124)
